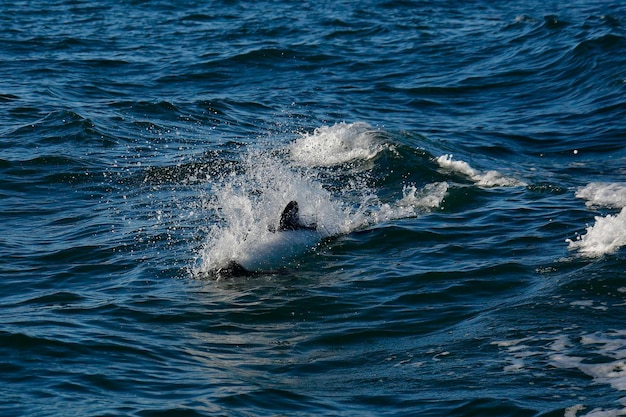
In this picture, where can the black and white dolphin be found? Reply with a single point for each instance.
(271, 251)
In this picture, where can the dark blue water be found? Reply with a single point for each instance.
(464, 163)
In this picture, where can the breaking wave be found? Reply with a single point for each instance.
(608, 233)
(480, 178)
(334, 145)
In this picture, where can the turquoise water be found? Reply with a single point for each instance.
(463, 162)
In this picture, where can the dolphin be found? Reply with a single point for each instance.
(262, 255)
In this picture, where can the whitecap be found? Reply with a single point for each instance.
(480, 178)
(608, 233)
(604, 194)
(335, 145)
(606, 236)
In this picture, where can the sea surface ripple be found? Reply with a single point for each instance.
(464, 163)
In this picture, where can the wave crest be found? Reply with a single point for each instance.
(608, 233)
(335, 145)
(480, 178)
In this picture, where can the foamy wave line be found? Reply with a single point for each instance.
(608, 234)
(335, 145)
(480, 178)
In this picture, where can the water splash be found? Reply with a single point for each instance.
(248, 201)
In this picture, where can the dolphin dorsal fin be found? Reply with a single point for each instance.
(289, 219)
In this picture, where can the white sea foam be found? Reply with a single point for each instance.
(337, 144)
(606, 236)
(604, 194)
(608, 233)
(480, 178)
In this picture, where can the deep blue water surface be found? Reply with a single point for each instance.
(464, 162)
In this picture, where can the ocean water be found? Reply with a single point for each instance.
(464, 163)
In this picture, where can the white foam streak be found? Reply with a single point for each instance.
(480, 178)
(608, 233)
(334, 145)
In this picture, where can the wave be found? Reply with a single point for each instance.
(608, 233)
(605, 43)
(56, 130)
(334, 145)
(604, 194)
(565, 352)
(480, 178)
